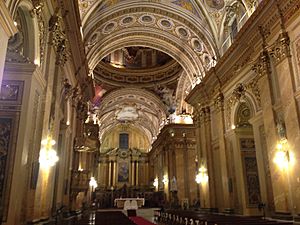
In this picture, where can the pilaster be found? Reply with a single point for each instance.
(280, 53)
(220, 121)
(263, 71)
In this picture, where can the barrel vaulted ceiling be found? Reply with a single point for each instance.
(190, 32)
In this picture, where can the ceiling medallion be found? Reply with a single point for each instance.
(147, 19)
(165, 24)
(127, 21)
(197, 45)
(182, 32)
(108, 28)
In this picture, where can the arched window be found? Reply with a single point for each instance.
(123, 141)
(236, 16)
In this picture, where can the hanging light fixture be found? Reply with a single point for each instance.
(202, 177)
(48, 156)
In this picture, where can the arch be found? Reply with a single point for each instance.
(227, 16)
(150, 111)
(184, 56)
(248, 100)
(29, 27)
(153, 25)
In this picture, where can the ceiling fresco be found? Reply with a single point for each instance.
(146, 56)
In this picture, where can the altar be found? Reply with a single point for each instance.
(129, 203)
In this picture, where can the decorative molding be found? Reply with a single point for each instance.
(58, 39)
(281, 48)
(145, 77)
(6, 21)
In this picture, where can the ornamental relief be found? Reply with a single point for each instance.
(296, 53)
(188, 68)
(164, 24)
(142, 77)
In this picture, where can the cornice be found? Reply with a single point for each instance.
(145, 77)
(165, 137)
(246, 47)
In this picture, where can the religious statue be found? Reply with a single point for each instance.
(281, 129)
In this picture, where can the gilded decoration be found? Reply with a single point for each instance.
(281, 48)
(219, 102)
(160, 22)
(58, 39)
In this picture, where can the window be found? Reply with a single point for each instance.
(123, 141)
(234, 29)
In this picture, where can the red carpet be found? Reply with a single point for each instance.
(140, 221)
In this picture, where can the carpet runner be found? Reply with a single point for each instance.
(140, 221)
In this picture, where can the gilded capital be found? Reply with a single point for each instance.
(219, 102)
(262, 65)
(281, 48)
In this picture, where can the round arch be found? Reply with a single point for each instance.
(30, 31)
(180, 52)
(149, 108)
(154, 25)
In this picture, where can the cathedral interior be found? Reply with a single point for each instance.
(190, 105)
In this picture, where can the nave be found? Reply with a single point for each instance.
(112, 217)
(180, 104)
(171, 217)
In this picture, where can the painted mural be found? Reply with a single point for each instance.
(123, 173)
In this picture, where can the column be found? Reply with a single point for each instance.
(186, 167)
(132, 173)
(114, 173)
(210, 187)
(137, 173)
(109, 174)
